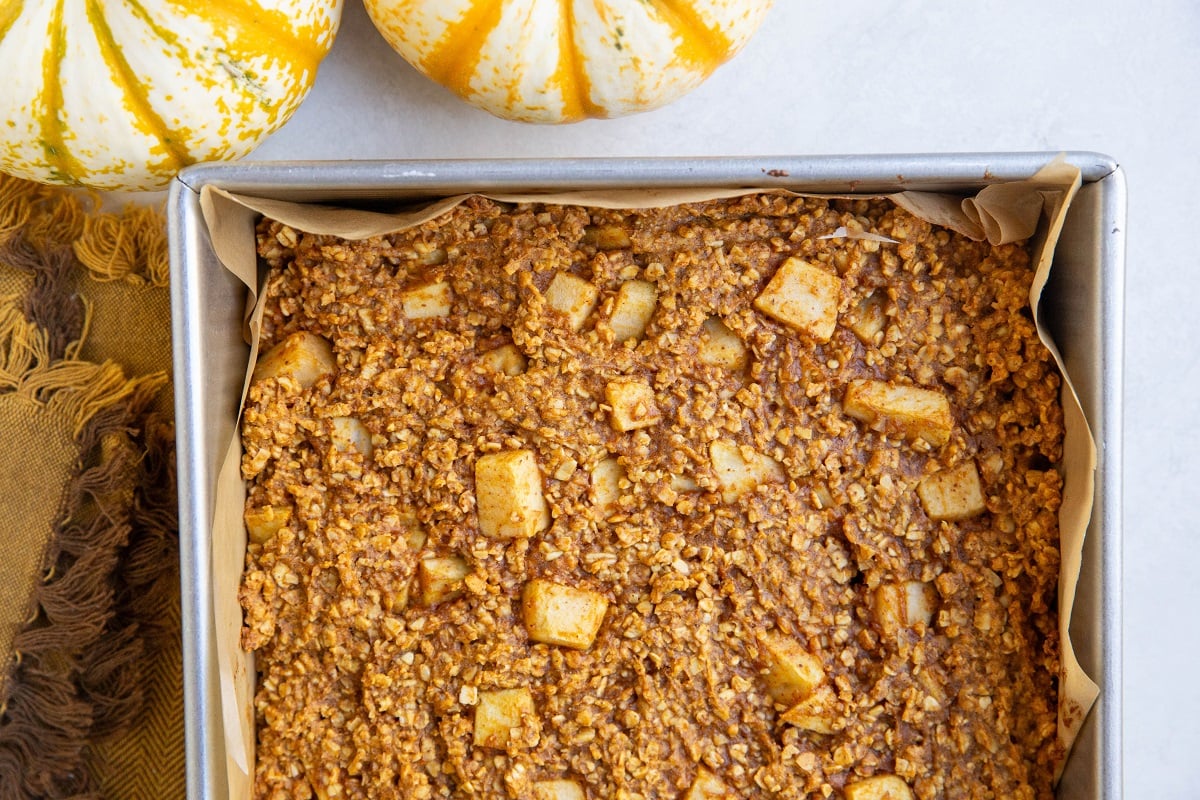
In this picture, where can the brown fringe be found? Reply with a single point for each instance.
(150, 564)
(52, 302)
(47, 721)
(32, 750)
(147, 583)
(110, 572)
(111, 566)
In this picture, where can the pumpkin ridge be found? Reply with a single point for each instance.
(701, 45)
(570, 75)
(63, 166)
(135, 91)
(453, 59)
(9, 11)
(258, 30)
(223, 55)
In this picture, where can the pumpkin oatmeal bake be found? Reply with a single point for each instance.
(744, 498)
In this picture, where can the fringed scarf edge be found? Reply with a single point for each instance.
(112, 556)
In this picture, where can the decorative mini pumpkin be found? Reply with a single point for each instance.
(120, 95)
(564, 60)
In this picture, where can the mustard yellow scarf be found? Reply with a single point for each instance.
(90, 688)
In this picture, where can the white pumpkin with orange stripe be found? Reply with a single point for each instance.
(120, 95)
(565, 60)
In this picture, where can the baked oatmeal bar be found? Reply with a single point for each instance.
(746, 498)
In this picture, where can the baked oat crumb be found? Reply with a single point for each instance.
(555, 502)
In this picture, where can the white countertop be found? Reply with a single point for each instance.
(1121, 78)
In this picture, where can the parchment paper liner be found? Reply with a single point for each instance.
(1000, 213)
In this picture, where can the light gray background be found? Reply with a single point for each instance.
(1122, 78)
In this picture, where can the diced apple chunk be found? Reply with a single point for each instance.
(869, 317)
(573, 297)
(395, 597)
(633, 404)
(506, 359)
(804, 297)
(816, 713)
(910, 411)
(264, 522)
(411, 531)
(879, 787)
(821, 495)
(304, 357)
(346, 433)
(684, 483)
(707, 786)
(425, 302)
(720, 346)
(793, 673)
(557, 790)
(905, 604)
(740, 470)
(440, 578)
(632, 309)
(499, 713)
(606, 485)
(562, 615)
(606, 237)
(430, 256)
(953, 493)
(508, 494)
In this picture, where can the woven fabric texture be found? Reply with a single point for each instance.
(90, 662)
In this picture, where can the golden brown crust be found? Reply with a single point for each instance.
(364, 692)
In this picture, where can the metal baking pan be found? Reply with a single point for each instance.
(1083, 304)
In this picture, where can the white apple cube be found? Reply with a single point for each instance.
(804, 297)
(506, 359)
(720, 346)
(264, 522)
(684, 484)
(910, 411)
(558, 790)
(414, 535)
(740, 470)
(304, 357)
(499, 712)
(428, 301)
(606, 237)
(879, 787)
(607, 475)
(815, 713)
(633, 404)
(870, 317)
(707, 786)
(508, 495)
(558, 614)
(905, 604)
(920, 600)
(953, 494)
(349, 433)
(632, 309)
(440, 578)
(573, 297)
(793, 673)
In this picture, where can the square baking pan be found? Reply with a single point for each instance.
(1083, 306)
